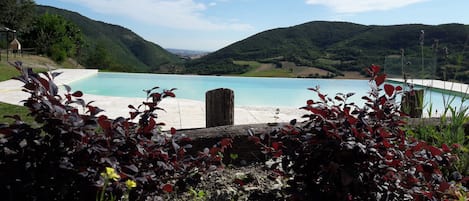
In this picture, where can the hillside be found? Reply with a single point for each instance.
(338, 47)
(126, 50)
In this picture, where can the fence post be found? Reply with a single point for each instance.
(219, 107)
(412, 103)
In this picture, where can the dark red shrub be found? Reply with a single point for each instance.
(347, 152)
(63, 158)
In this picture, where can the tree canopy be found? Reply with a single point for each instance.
(56, 37)
(17, 14)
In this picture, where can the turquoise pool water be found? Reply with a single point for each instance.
(270, 92)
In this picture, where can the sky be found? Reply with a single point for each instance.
(210, 25)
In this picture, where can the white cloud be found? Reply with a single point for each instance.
(179, 14)
(357, 6)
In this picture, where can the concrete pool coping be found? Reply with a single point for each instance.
(460, 88)
(179, 113)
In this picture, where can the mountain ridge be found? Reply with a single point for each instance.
(127, 50)
(341, 46)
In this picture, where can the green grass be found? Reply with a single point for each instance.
(269, 73)
(10, 110)
(252, 64)
(7, 72)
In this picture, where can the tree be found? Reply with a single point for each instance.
(99, 57)
(56, 37)
(17, 14)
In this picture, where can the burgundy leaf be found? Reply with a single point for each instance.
(375, 69)
(435, 151)
(254, 139)
(382, 100)
(278, 154)
(150, 104)
(444, 186)
(134, 114)
(366, 98)
(276, 145)
(151, 125)
(445, 148)
(352, 120)
(322, 97)
(173, 131)
(169, 93)
(167, 188)
(318, 111)
(456, 146)
(338, 98)
(104, 122)
(225, 142)
(77, 94)
(214, 151)
(389, 89)
(380, 79)
(386, 144)
(314, 89)
(239, 182)
(156, 97)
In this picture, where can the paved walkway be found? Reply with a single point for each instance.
(180, 113)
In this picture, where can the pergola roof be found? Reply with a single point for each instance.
(6, 29)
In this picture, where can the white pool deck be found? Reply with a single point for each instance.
(437, 84)
(180, 113)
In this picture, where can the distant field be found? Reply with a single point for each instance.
(252, 64)
(288, 69)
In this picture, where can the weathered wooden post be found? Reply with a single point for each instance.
(412, 103)
(219, 107)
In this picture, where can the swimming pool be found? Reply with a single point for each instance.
(249, 91)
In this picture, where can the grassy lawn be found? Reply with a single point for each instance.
(8, 109)
(7, 71)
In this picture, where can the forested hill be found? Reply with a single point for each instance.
(340, 46)
(116, 46)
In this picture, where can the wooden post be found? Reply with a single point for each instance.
(412, 103)
(219, 107)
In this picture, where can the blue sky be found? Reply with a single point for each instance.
(213, 24)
